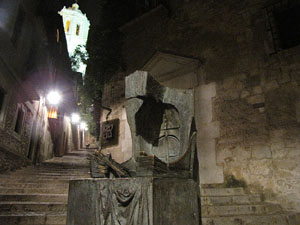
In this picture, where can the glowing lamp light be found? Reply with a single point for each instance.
(75, 118)
(54, 97)
(83, 126)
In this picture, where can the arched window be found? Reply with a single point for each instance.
(77, 29)
(68, 25)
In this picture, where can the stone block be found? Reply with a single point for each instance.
(256, 90)
(285, 164)
(244, 219)
(246, 199)
(208, 169)
(284, 78)
(222, 191)
(262, 167)
(253, 81)
(256, 99)
(295, 75)
(245, 94)
(240, 210)
(233, 83)
(261, 152)
(231, 94)
(271, 85)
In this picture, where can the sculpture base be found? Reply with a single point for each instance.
(133, 201)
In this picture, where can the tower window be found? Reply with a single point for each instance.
(19, 121)
(68, 25)
(77, 29)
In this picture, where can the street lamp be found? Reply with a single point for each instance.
(54, 97)
(83, 126)
(75, 118)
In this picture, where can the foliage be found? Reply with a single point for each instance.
(79, 56)
(104, 58)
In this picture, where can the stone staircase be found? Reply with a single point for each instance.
(38, 195)
(234, 206)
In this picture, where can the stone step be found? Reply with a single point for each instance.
(53, 167)
(231, 200)
(70, 162)
(34, 198)
(57, 207)
(48, 175)
(52, 173)
(33, 219)
(37, 176)
(80, 154)
(60, 180)
(247, 220)
(51, 190)
(34, 185)
(221, 191)
(230, 210)
(293, 218)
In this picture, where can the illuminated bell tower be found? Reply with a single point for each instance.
(76, 26)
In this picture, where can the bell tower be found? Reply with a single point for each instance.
(76, 25)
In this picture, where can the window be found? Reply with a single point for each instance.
(68, 25)
(77, 29)
(288, 27)
(283, 25)
(20, 120)
(2, 96)
(18, 26)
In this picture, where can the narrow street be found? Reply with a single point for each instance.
(38, 195)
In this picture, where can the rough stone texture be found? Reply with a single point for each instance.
(231, 206)
(39, 194)
(208, 131)
(261, 147)
(256, 105)
(26, 74)
(133, 201)
(123, 150)
(11, 162)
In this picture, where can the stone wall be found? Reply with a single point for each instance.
(122, 151)
(259, 134)
(247, 101)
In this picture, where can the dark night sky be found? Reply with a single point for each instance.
(86, 6)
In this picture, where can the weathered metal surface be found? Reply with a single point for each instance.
(161, 120)
(133, 201)
(164, 160)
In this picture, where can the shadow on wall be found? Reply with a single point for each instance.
(150, 119)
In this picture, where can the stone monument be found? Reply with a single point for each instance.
(161, 187)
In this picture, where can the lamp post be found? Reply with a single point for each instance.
(54, 97)
(75, 118)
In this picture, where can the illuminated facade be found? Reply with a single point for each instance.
(76, 26)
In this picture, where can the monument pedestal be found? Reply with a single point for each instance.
(133, 201)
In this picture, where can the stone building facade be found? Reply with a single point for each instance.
(33, 59)
(245, 74)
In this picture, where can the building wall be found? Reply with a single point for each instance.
(247, 100)
(33, 60)
(122, 151)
